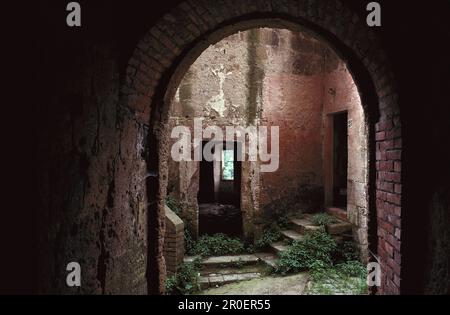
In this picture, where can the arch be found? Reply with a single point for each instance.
(172, 45)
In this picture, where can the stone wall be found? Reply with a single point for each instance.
(260, 77)
(173, 242)
(274, 77)
(341, 94)
(82, 71)
(91, 211)
(211, 90)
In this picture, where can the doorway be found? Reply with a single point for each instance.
(340, 160)
(219, 192)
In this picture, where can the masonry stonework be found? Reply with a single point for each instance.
(291, 80)
(329, 18)
(173, 242)
(107, 131)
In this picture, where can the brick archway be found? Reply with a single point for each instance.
(170, 47)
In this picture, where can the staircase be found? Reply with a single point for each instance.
(221, 270)
(299, 227)
(218, 271)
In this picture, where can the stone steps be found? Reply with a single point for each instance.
(292, 235)
(216, 280)
(339, 228)
(268, 258)
(218, 271)
(304, 226)
(301, 226)
(278, 247)
(337, 213)
(225, 261)
(221, 270)
(232, 270)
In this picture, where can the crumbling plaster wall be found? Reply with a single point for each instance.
(212, 90)
(272, 77)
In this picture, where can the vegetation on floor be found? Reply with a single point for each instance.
(273, 232)
(185, 282)
(270, 235)
(322, 219)
(347, 278)
(217, 245)
(334, 269)
(314, 251)
(283, 221)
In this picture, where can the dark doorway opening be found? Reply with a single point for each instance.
(340, 159)
(219, 192)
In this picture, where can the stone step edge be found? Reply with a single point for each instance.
(225, 260)
(206, 282)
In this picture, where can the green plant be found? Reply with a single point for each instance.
(238, 264)
(270, 235)
(314, 251)
(346, 251)
(322, 219)
(171, 284)
(185, 281)
(217, 245)
(283, 221)
(173, 205)
(189, 241)
(344, 278)
(352, 269)
(250, 249)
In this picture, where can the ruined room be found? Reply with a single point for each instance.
(363, 149)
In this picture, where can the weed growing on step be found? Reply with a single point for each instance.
(272, 233)
(171, 284)
(269, 236)
(322, 219)
(283, 221)
(314, 251)
(217, 245)
(239, 264)
(185, 281)
(346, 251)
(334, 269)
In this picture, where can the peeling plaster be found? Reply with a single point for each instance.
(217, 102)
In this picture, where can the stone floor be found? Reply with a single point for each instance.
(290, 285)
